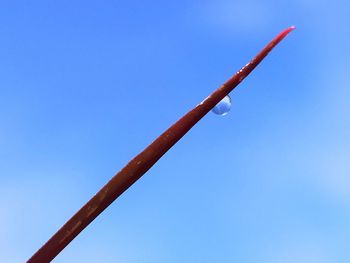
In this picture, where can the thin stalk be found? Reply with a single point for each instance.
(143, 162)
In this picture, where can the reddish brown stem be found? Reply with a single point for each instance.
(143, 162)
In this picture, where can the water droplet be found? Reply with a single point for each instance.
(223, 107)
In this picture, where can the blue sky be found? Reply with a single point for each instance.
(86, 85)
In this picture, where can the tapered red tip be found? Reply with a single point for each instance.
(282, 35)
(288, 30)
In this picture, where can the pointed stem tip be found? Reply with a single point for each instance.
(287, 31)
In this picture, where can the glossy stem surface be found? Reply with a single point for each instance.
(143, 162)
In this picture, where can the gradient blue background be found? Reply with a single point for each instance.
(86, 85)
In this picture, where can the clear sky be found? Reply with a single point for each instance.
(86, 85)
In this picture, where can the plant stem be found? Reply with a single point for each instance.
(143, 162)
